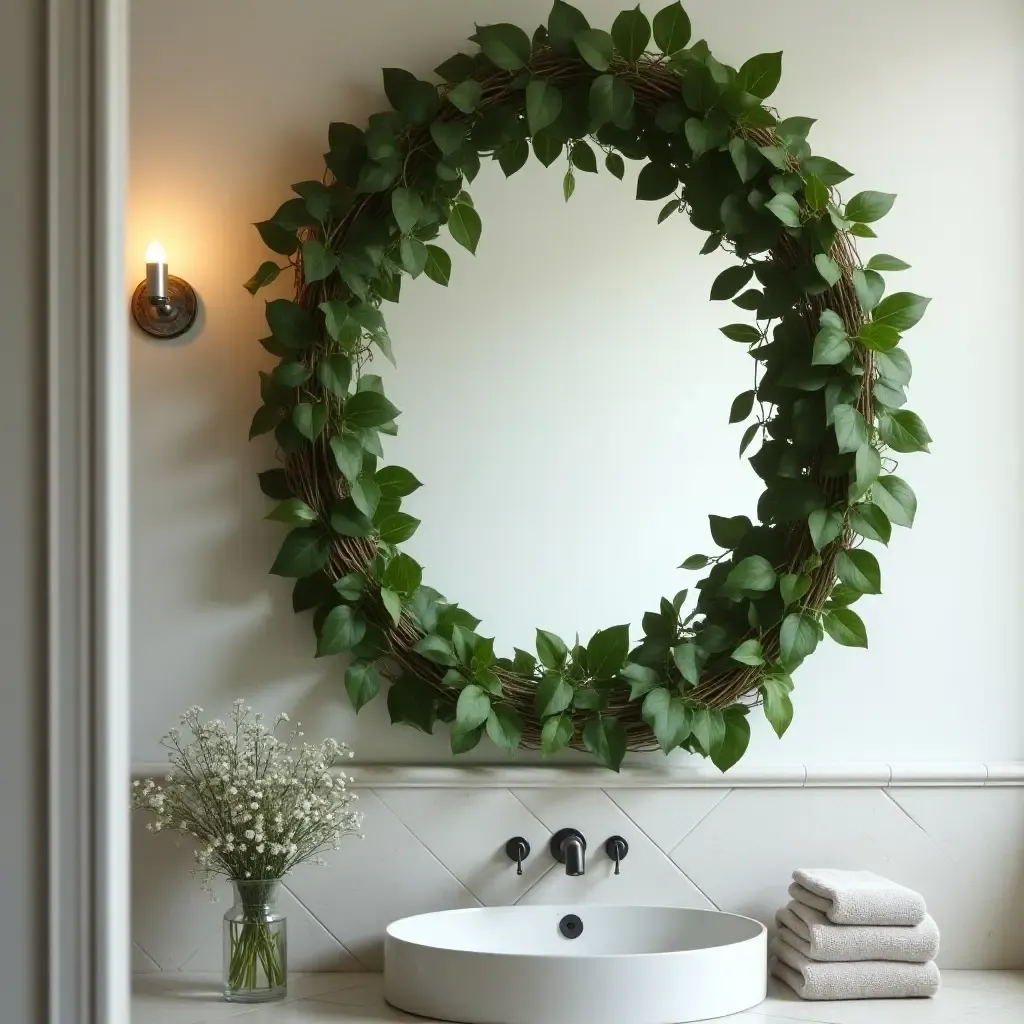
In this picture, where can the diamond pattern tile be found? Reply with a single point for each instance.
(467, 830)
(647, 875)
(743, 853)
(373, 881)
(442, 848)
(667, 816)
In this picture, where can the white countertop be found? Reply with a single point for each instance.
(967, 997)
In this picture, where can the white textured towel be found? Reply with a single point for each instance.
(810, 932)
(857, 897)
(869, 979)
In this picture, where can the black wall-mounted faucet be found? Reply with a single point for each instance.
(517, 849)
(569, 847)
(616, 847)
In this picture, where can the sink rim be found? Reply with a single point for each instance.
(759, 932)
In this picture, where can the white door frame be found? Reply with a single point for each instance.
(88, 932)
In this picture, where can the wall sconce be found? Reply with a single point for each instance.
(163, 306)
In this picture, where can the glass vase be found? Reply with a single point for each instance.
(255, 944)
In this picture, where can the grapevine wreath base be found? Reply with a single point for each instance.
(826, 408)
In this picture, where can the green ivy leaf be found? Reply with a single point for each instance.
(266, 274)
(816, 192)
(362, 682)
(294, 512)
(348, 455)
(778, 707)
(309, 419)
(786, 208)
(347, 520)
(553, 696)
(729, 532)
(903, 431)
(615, 165)
(568, 184)
(734, 742)
(825, 525)
(746, 158)
(753, 573)
(607, 651)
(350, 587)
(342, 628)
(505, 727)
(632, 32)
(798, 638)
(396, 481)
(546, 148)
(290, 323)
(851, 429)
(596, 48)
(894, 367)
(407, 207)
(436, 649)
(276, 238)
(473, 708)
(611, 99)
(730, 281)
(901, 311)
(417, 100)
(366, 495)
(827, 171)
(565, 22)
(465, 226)
(274, 484)
(439, 265)
(641, 679)
(867, 466)
(793, 586)
(551, 649)
(896, 499)
(318, 262)
(743, 333)
(859, 569)
(555, 734)
(543, 105)
(742, 406)
(507, 46)
(845, 627)
(335, 373)
(749, 652)
(397, 527)
(689, 660)
(449, 137)
(867, 207)
(828, 268)
(871, 522)
(696, 562)
(303, 553)
(466, 96)
(671, 29)
(883, 261)
(368, 409)
(513, 156)
(582, 157)
(760, 75)
(291, 373)
(463, 742)
(392, 603)
(414, 258)
(605, 738)
(656, 181)
(668, 717)
(878, 337)
(411, 702)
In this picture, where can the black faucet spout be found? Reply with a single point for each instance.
(569, 847)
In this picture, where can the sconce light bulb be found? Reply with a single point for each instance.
(156, 253)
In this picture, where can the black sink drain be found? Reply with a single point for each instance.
(571, 926)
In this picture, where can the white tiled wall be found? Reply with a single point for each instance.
(436, 847)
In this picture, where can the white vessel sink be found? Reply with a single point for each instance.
(575, 965)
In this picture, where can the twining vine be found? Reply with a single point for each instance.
(826, 410)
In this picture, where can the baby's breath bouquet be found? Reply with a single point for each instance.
(259, 806)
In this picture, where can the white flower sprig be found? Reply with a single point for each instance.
(259, 805)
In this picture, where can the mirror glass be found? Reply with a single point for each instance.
(565, 403)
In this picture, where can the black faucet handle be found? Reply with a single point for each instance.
(517, 849)
(616, 847)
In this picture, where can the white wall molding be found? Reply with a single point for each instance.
(854, 776)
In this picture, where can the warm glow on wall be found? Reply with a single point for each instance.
(163, 306)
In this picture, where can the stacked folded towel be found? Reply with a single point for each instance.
(854, 935)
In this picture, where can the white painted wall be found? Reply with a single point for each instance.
(565, 401)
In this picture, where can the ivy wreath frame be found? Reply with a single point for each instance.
(828, 396)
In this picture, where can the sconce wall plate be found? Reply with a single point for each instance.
(171, 319)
